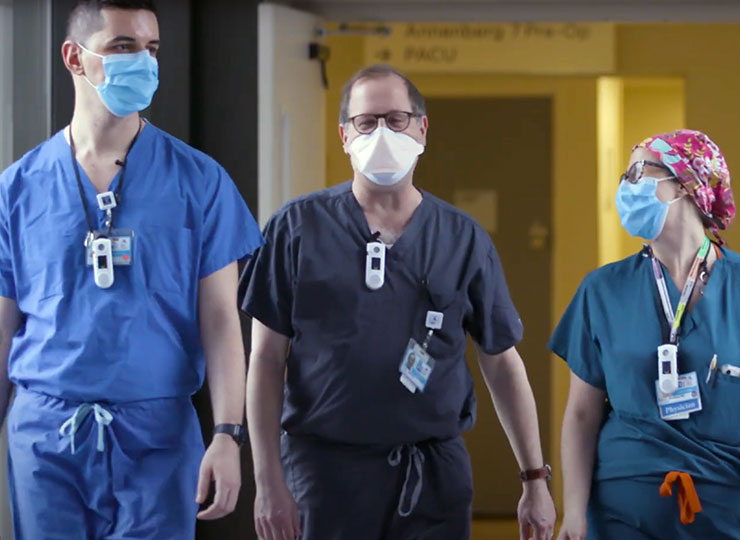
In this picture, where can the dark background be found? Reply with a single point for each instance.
(207, 97)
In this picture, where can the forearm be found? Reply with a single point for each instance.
(513, 400)
(6, 387)
(10, 321)
(264, 406)
(578, 449)
(225, 365)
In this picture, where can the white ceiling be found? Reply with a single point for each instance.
(522, 10)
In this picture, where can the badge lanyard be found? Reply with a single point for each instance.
(674, 321)
(90, 235)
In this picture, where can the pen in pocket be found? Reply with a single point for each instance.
(712, 368)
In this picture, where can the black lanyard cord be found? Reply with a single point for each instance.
(117, 194)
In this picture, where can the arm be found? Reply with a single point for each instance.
(275, 512)
(221, 337)
(581, 423)
(10, 320)
(513, 400)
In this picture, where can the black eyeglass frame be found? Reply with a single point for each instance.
(376, 117)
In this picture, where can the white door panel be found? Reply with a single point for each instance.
(292, 157)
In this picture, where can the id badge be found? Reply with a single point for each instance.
(416, 367)
(122, 246)
(685, 400)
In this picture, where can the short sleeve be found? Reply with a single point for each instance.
(230, 233)
(573, 340)
(7, 279)
(266, 283)
(494, 324)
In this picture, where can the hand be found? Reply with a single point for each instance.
(275, 512)
(220, 465)
(536, 512)
(573, 528)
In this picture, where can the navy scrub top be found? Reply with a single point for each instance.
(347, 341)
(609, 336)
(140, 338)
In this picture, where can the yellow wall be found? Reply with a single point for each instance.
(703, 55)
(347, 56)
(610, 121)
(651, 106)
(694, 57)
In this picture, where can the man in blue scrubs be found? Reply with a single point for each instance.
(365, 292)
(118, 276)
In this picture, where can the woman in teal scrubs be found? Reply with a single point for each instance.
(651, 434)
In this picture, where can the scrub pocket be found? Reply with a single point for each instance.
(52, 252)
(165, 257)
(720, 419)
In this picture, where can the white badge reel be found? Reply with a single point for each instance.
(375, 265)
(668, 368)
(102, 262)
(106, 200)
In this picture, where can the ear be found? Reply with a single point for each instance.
(343, 137)
(72, 57)
(423, 128)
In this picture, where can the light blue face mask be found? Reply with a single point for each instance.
(640, 211)
(130, 81)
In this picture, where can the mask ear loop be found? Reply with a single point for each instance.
(85, 49)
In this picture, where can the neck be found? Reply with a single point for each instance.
(399, 198)
(98, 133)
(677, 249)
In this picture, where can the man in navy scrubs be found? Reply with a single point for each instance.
(361, 300)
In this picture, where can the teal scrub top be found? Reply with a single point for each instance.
(609, 336)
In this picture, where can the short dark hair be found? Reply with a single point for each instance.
(378, 71)
(85, 18)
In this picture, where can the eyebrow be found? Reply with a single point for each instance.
(127, 39)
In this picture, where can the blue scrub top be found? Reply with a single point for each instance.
(139, 339)
(609, 336)
(347, 341)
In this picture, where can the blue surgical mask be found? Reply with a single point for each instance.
(640, 211)
(130, 81)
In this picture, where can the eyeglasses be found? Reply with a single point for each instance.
(634, 173)
(394, 120)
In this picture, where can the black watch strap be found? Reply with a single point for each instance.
(237, 432)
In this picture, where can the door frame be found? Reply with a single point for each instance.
(574, 238)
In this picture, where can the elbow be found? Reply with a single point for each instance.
(587, 416)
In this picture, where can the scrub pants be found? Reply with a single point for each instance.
(633, 509)
(140, 486)
(411, 492)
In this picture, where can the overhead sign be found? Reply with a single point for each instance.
(517, 48)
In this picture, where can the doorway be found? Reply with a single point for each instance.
(491, 157)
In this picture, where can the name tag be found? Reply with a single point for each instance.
(122, 246)
(686, 399)
(416, 367)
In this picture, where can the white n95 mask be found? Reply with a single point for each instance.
(384, 156)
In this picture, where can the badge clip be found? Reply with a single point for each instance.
(106, 201)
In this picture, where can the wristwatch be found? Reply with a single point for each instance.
(536, 474)
(236, 431)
